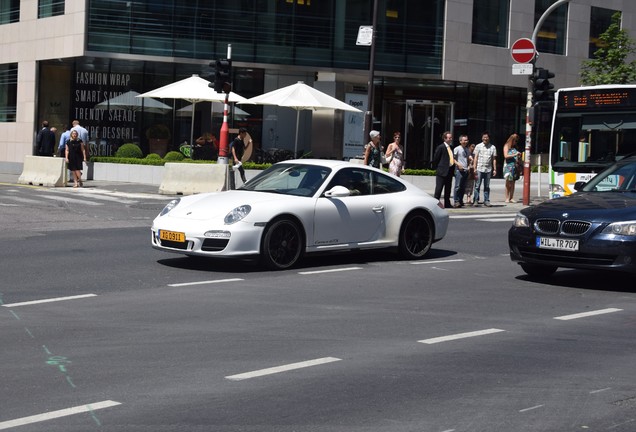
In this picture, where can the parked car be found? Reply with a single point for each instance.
(594, 228)
(303, 206)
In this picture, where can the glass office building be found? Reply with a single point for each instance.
(439, 65)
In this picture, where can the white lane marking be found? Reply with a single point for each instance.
(600, 390)
(483, 215)
(133, 195)
(23, 200)
(103, 197)
(57, 414)
(71, 200)
(9, 205)
(283, 368)
(531, 408)
(57, 299)
(205, 282)
(330, 270)
(437, 262)
(587, 314)
(460, 336)
(507, 219)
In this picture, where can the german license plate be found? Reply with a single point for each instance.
(172, 236)
(557, 244)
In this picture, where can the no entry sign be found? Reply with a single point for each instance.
(523, 50)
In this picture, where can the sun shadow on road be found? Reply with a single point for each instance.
(314, 261)
(588, 280)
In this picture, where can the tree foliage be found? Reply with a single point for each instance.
(610, 65)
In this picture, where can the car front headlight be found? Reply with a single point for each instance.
(237, 214)
(627, 228)
(521, 221)
(555, 188)
(172, 204)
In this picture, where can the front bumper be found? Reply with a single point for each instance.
(597, 252)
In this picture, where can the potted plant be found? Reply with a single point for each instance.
(158, 137)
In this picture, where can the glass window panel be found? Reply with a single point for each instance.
(9, 11)
(301, 32)
(490, 22)
(8, 91)
(600, 20)
(49, 8)
(551, 35)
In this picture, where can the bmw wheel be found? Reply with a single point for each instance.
(416, 236)
(282, 244)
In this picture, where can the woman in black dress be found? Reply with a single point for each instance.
(75, 157)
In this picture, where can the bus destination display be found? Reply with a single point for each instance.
(598, 98)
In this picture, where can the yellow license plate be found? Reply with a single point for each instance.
(172, 236)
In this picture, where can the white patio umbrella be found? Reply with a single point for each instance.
(300, 96)
(217, 110)
(193, 89)
(130, 101)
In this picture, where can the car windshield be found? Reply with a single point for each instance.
(289, 179)
(619, 177)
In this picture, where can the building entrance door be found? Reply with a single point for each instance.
(424, 123)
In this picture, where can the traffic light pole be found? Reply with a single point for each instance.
(529, 107)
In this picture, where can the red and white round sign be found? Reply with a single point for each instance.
(523, 50)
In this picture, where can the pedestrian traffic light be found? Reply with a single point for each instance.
(222, 76)
(543, 89)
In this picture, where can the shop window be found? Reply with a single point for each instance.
(490, 22)
(551, 35)
(600, 20)
(9, 11)
(8, 91)
(49, 8)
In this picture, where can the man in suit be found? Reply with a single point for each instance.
(45, 140)
(444, 164)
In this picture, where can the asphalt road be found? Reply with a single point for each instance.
(140, 340)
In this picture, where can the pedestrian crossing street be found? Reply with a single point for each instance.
(88, 197)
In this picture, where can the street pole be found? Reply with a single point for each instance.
(529, 106)
(368, 115)
(528, 149)
(224, 135)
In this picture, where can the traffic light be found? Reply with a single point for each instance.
(222, 76)
(542, 87)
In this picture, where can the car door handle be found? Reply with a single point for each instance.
(378, 209)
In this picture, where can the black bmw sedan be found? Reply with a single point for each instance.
(594, 228)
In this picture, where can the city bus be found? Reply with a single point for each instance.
(592, 127)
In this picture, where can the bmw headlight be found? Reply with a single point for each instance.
(521, 221)
(172, 204)
(627, 228)
(237, 214)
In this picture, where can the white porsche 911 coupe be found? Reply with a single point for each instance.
(303, 206)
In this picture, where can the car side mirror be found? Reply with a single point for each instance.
(337, 191)
(579, 185)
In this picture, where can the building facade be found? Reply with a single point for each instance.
(439, 65)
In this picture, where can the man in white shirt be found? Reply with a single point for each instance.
(485, 166)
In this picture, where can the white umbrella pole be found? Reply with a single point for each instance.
(296, 140)
(194, 106)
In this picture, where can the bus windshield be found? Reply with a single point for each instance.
(592, 128)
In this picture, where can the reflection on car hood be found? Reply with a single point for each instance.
(218, 204)
(589, 206)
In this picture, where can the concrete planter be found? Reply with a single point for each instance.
(130, 173)
(127, 173)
